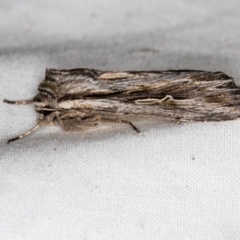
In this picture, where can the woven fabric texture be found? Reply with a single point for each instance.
(168, 182)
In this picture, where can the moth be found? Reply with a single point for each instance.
(80, 98)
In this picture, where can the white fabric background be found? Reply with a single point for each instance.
(168, 182)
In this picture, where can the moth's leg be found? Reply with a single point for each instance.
(73, 120)
(121, 121)
(38, 125)
(178, 121)
(57, 114)
(18, 102)
(131, 124)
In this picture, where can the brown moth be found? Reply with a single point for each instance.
(80, 98)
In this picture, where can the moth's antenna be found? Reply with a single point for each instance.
(26, 133)
(18, 102)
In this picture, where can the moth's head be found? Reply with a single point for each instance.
(44, 102)
(41, 100)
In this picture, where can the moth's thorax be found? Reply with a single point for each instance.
(48, 86)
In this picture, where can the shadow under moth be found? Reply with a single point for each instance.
(77, 99)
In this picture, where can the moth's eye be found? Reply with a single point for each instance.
(37, 98)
